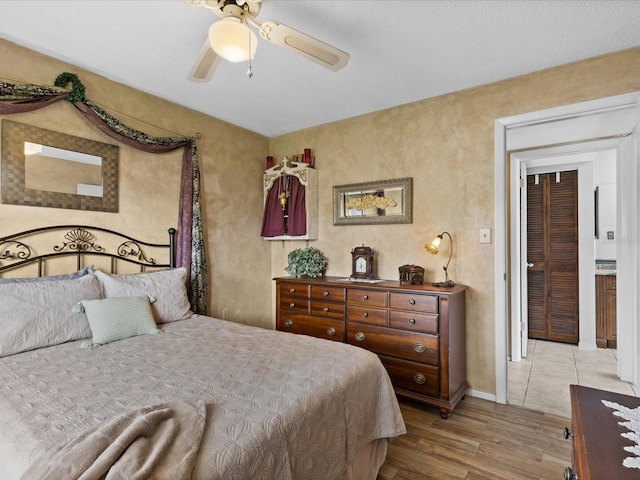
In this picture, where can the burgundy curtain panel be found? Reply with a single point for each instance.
(273, 221)
(273, 217)
(297, 221)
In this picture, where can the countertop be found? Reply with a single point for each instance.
(606, 267)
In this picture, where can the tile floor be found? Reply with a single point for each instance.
(541, 380)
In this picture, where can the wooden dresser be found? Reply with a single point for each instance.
(598, 447)
(418, 331)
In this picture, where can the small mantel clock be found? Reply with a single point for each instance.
(362, 263)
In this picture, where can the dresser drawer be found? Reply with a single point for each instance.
(294, 304)
(327, 309)
(410, 301)
(362, 296)
(294, 290)
(364, 314)
(332, 294)
(418, 322)
(412, 376)
(313, 326)
(419, 347)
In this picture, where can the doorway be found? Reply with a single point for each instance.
(541, 379)
(614, 121)
(580, 157)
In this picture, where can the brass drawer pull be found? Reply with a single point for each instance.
(325, 293)
(325, 309)
(420, 348)
(365, 297)
(365, 314)
(360, 337)
(412, 321)
(288, 323)
(292, 290)
(331, 331)
(292, 304)
(419, 378)
(412, 302)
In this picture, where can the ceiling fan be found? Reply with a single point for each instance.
(231, 38)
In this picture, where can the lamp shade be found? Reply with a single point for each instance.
(232, 39)
(432, 247)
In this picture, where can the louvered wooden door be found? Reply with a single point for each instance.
(552, 254)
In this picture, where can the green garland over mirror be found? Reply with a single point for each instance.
(77, 88)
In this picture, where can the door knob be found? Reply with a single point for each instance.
(529, 265)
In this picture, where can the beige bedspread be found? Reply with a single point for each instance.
(159, 441)
(278, 406)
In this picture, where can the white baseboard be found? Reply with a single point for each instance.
(587, 346)
(483, 395)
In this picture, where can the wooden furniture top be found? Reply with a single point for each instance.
(599, 446)
(380, 285)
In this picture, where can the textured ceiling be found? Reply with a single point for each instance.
(401, 51)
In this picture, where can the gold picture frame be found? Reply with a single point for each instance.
(382, 202)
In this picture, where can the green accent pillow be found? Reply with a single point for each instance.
(114, 319)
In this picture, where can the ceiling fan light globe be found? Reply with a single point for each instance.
(233, 40)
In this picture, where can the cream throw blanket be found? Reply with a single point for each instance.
(154, 442)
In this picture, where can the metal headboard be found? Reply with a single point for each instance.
(21, 248)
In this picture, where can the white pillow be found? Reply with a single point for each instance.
(39, 314)
(168, 286)
(114, 319)
(50, 278)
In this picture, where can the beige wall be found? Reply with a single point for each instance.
(447, 145)
(149, 184)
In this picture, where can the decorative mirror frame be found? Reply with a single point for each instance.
(12, 185)
(341, 191)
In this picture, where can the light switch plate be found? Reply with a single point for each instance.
(485, 235)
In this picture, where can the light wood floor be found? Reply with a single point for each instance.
(484, 440)
(481, 440)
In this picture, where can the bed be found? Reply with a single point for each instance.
(89, 385)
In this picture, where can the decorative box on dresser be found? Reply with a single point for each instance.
(418, 331)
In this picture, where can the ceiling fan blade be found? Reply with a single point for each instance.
(211, 4)
(242, 2)
(205, 64)
(305, 45)
(251, 7)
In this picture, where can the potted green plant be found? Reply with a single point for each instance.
(306, 261)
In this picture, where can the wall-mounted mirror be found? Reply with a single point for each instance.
(386, 201)
(51, 169)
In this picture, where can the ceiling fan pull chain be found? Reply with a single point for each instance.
(249, 72)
